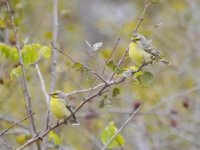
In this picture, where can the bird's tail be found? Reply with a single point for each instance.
(74, 121)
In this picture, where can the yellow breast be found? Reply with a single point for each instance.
(137, 54)
(58, 108)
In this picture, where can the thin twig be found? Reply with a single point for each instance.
(121, 128)
(147, 4)
(4, 143)
(16, 123)
(42, 83)
(84, 90)
(74, 61)
(11, 121)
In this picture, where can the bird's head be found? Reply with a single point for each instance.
(58, 94)
(137, 37)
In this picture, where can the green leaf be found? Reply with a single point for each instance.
(30, 54)
(111, 65)
(114, 67)
(2, 24)
(5, 50)
(108, 133)
(54, 137)
(78, 66)
(15, 72)
(146, 78)
(22, 138)
(115, 91)
(9, 52)
(14, 56)
(45, 51)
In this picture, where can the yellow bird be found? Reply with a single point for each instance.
(141, 50)
(59, 107)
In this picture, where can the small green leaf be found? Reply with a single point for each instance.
(115, 91)
(45, 51)
(22, 138)
(15, 72)
(5, 50)
(111, 65)
(30, 54)
(9, 52)
(79, 66)
(120, 139)
(54, 137)
(2, 24)
(14, 56)
(108, 133)
(146, 78)
(114, 67)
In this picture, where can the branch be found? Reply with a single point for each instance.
(54, 55)
(84, 90)
(24, 81)
(16, 123)
(42, 83)
(121, 128)
(54, 52)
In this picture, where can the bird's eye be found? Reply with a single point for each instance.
(137, 39)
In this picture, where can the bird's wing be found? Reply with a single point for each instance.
(62, 101)
(75, 122)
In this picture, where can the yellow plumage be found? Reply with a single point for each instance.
(138, 55)
(58, 107)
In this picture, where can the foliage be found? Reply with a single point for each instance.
(108, 133)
